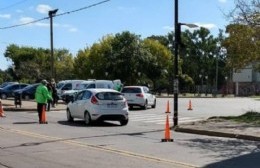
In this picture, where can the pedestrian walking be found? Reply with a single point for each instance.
(42, 96)
(54, 93)
(49, 102)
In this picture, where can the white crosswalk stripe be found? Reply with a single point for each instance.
(159, 118)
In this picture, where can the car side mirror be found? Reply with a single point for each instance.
(71, 98)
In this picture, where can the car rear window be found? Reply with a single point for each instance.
(131, 90)
(109, 96)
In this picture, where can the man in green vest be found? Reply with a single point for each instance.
(42, 95)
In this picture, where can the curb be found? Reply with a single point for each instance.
(27, 109)
(217, 134)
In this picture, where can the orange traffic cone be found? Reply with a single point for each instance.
(43, 117)
(167, 134)
(190, 106)
(1, 110)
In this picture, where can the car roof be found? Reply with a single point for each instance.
(98, 90)
(134, 86)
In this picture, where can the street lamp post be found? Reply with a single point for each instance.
(176, 48)
(51, 14)
(206, 91)
(177, 40)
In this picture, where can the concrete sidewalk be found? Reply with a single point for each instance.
(28, 105)
(213, 127)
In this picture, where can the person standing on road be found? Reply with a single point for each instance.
(54, 93)
(42, 96)
(49, 102)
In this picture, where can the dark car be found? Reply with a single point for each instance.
(27, 92)
(7, 83)
(8, 91)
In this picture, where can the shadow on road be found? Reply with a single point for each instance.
(236, 154)
(80, 123)
(251, 160)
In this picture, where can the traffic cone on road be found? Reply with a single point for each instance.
(43, 117)
(190, 106)
(1, 110)
(167, 134)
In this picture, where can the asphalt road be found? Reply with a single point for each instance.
(25, 143)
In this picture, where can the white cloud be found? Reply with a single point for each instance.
(206, 25)
(168, 28)
(5, 16)
(24, 20)
(73, 29)
(44, 9)
(222, 1)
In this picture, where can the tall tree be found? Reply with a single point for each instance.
(246, 12)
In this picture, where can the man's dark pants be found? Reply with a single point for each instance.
(40, 107)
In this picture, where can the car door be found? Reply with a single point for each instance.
(148, 95)
(84, 103)
(74, 106)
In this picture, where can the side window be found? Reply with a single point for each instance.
(91, 86)
(67, 86)
(86, 95)
(146, 90)
(80, 95)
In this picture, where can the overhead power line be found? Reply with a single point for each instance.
(45, 18)
(10, 6)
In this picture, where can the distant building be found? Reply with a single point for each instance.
(246, 81)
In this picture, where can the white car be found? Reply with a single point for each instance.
(98, 105)
(139, 96)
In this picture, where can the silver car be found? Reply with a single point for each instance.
(98, 105)
(139, 96)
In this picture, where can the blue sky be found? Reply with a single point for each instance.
(77, 30)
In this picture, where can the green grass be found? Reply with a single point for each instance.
(249, 117)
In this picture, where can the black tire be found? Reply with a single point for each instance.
(145, 105)
(69, 117)
(3, 96)
(154, 104)
(27, 97)
(87, 118)
(123, 122)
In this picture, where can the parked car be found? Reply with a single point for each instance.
(87, 85)
(98, 105)
(7, 83)
(139, 96)
(8, 91)
(28, 92)
(67, 85)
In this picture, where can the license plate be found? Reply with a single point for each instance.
(111, 105)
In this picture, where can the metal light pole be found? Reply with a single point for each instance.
(51, 14)
(176, 80)
(176, 67)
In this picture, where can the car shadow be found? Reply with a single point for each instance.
(80, 123)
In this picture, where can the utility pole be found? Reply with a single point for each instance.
(51, 14)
